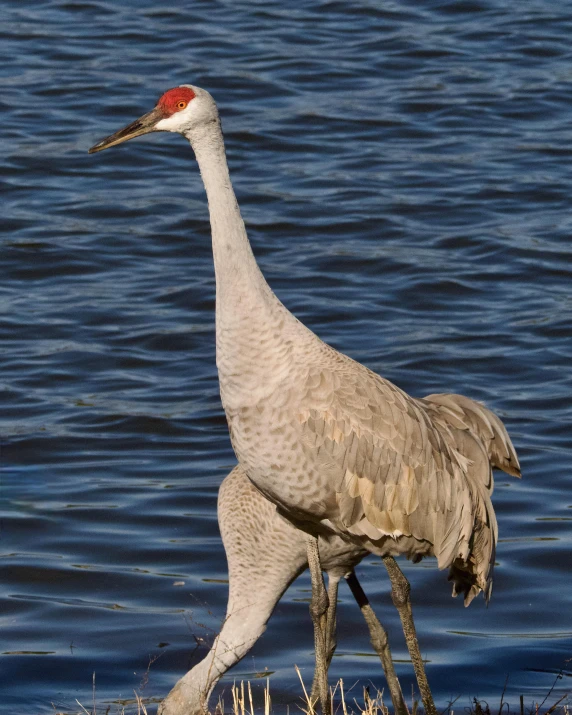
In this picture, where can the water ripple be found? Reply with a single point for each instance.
(404, 174)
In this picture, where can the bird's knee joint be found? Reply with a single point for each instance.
(319, 605)
(379, 641)
(400, 593)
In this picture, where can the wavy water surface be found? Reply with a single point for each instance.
(404, 170)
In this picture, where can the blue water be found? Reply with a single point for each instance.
(405, 173)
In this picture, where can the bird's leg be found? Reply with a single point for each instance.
(318, 612)
(380, 644)
(400, 590)
(333, 582)
(331, 641)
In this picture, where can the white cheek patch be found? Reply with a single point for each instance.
(172, 123)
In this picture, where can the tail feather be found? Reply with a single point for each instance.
(463, 413)
(480, 436)
(474, 575)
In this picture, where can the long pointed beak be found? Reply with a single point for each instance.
(141, 126)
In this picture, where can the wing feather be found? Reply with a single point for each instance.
(420, 469)
(465, 414)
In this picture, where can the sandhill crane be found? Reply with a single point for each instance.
(265, 553)
(335, 447)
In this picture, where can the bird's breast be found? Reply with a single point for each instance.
(266, 437)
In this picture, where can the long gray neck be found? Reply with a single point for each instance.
(236, 269)
(251, 323)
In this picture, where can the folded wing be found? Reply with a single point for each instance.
(407, 471)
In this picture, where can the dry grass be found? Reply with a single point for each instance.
(242, 702)
(239, 704)
(341, 704)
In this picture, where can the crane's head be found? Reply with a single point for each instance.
(180, 109)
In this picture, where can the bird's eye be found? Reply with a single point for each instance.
(181, 105)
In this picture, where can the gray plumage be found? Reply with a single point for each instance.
(338, 449)
(265, 553)
(355, 455)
